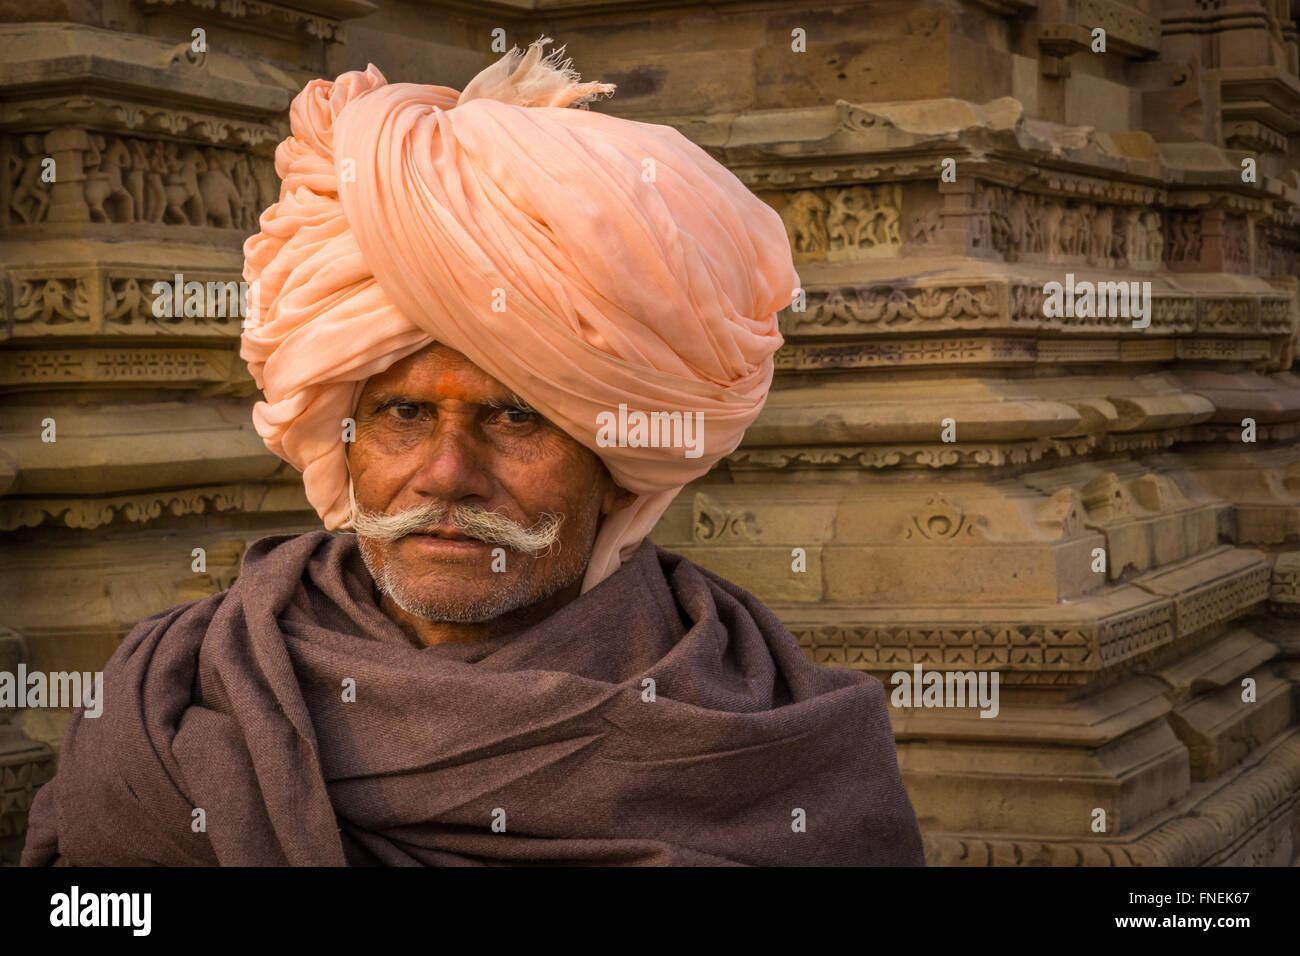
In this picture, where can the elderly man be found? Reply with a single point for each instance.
(497, 335)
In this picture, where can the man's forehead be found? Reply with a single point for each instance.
(437, 371)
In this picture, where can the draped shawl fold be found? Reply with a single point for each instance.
(234, 704)
(583, 260)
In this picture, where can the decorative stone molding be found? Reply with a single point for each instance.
(115, 115)
(942, 521)
(54, 301)
(323, 27)
(911, 352)
(937, 455)
(1244, 823)
(1023, 652)
(1032, 652)
(715, 522)
(84, 366)
(136, 509)
(889, 308)
(52, 305)
(1284, 585)
(1212, 588)
(1128, 30)
(1062, 514)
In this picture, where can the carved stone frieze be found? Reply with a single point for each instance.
(315, 25)
(120, 300)
(1252, 135)
(1025, 653)
(136, 509)
(115, 115)
(959, 455)
(129, 303)
(1019, 225)
(104, 365)
(127, 179)
(1183, 236)
(54, 304)
(910, 352)
(844, 222)
(886, 308)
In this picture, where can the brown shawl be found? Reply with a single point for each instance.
(234, 704)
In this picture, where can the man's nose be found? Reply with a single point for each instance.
(454, 464)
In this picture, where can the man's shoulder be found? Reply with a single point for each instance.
(290, 546)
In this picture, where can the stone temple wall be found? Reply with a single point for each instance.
(950, 473)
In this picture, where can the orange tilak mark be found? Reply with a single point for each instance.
(449, 386)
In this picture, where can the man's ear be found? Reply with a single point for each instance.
(615, 497)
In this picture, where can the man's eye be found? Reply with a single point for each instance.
(527, 416)
(408, 411)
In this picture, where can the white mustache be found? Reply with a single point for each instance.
(489, 526)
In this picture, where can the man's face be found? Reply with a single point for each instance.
(437, 432)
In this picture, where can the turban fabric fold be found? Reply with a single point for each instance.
(582, 260)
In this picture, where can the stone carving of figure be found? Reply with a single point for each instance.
(184, 200)
(1053, 215)
(886, 218)
(1017, 226)
(1034, 224)
(246, 192)
(1189, 238)
(922, 229)
(1119, 235)
(1155, 237)
(837, 215)
(155, 183)
(1135, 238)
(217, 187)
(805, 223)
(1177, 237)
(1084, 239)
(1070, 225)
(1102, 227)
(134, 177)
(995, 203)
(105, 192)
(30, 197)
(862, 217)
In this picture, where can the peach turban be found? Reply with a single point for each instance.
(583, 260)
